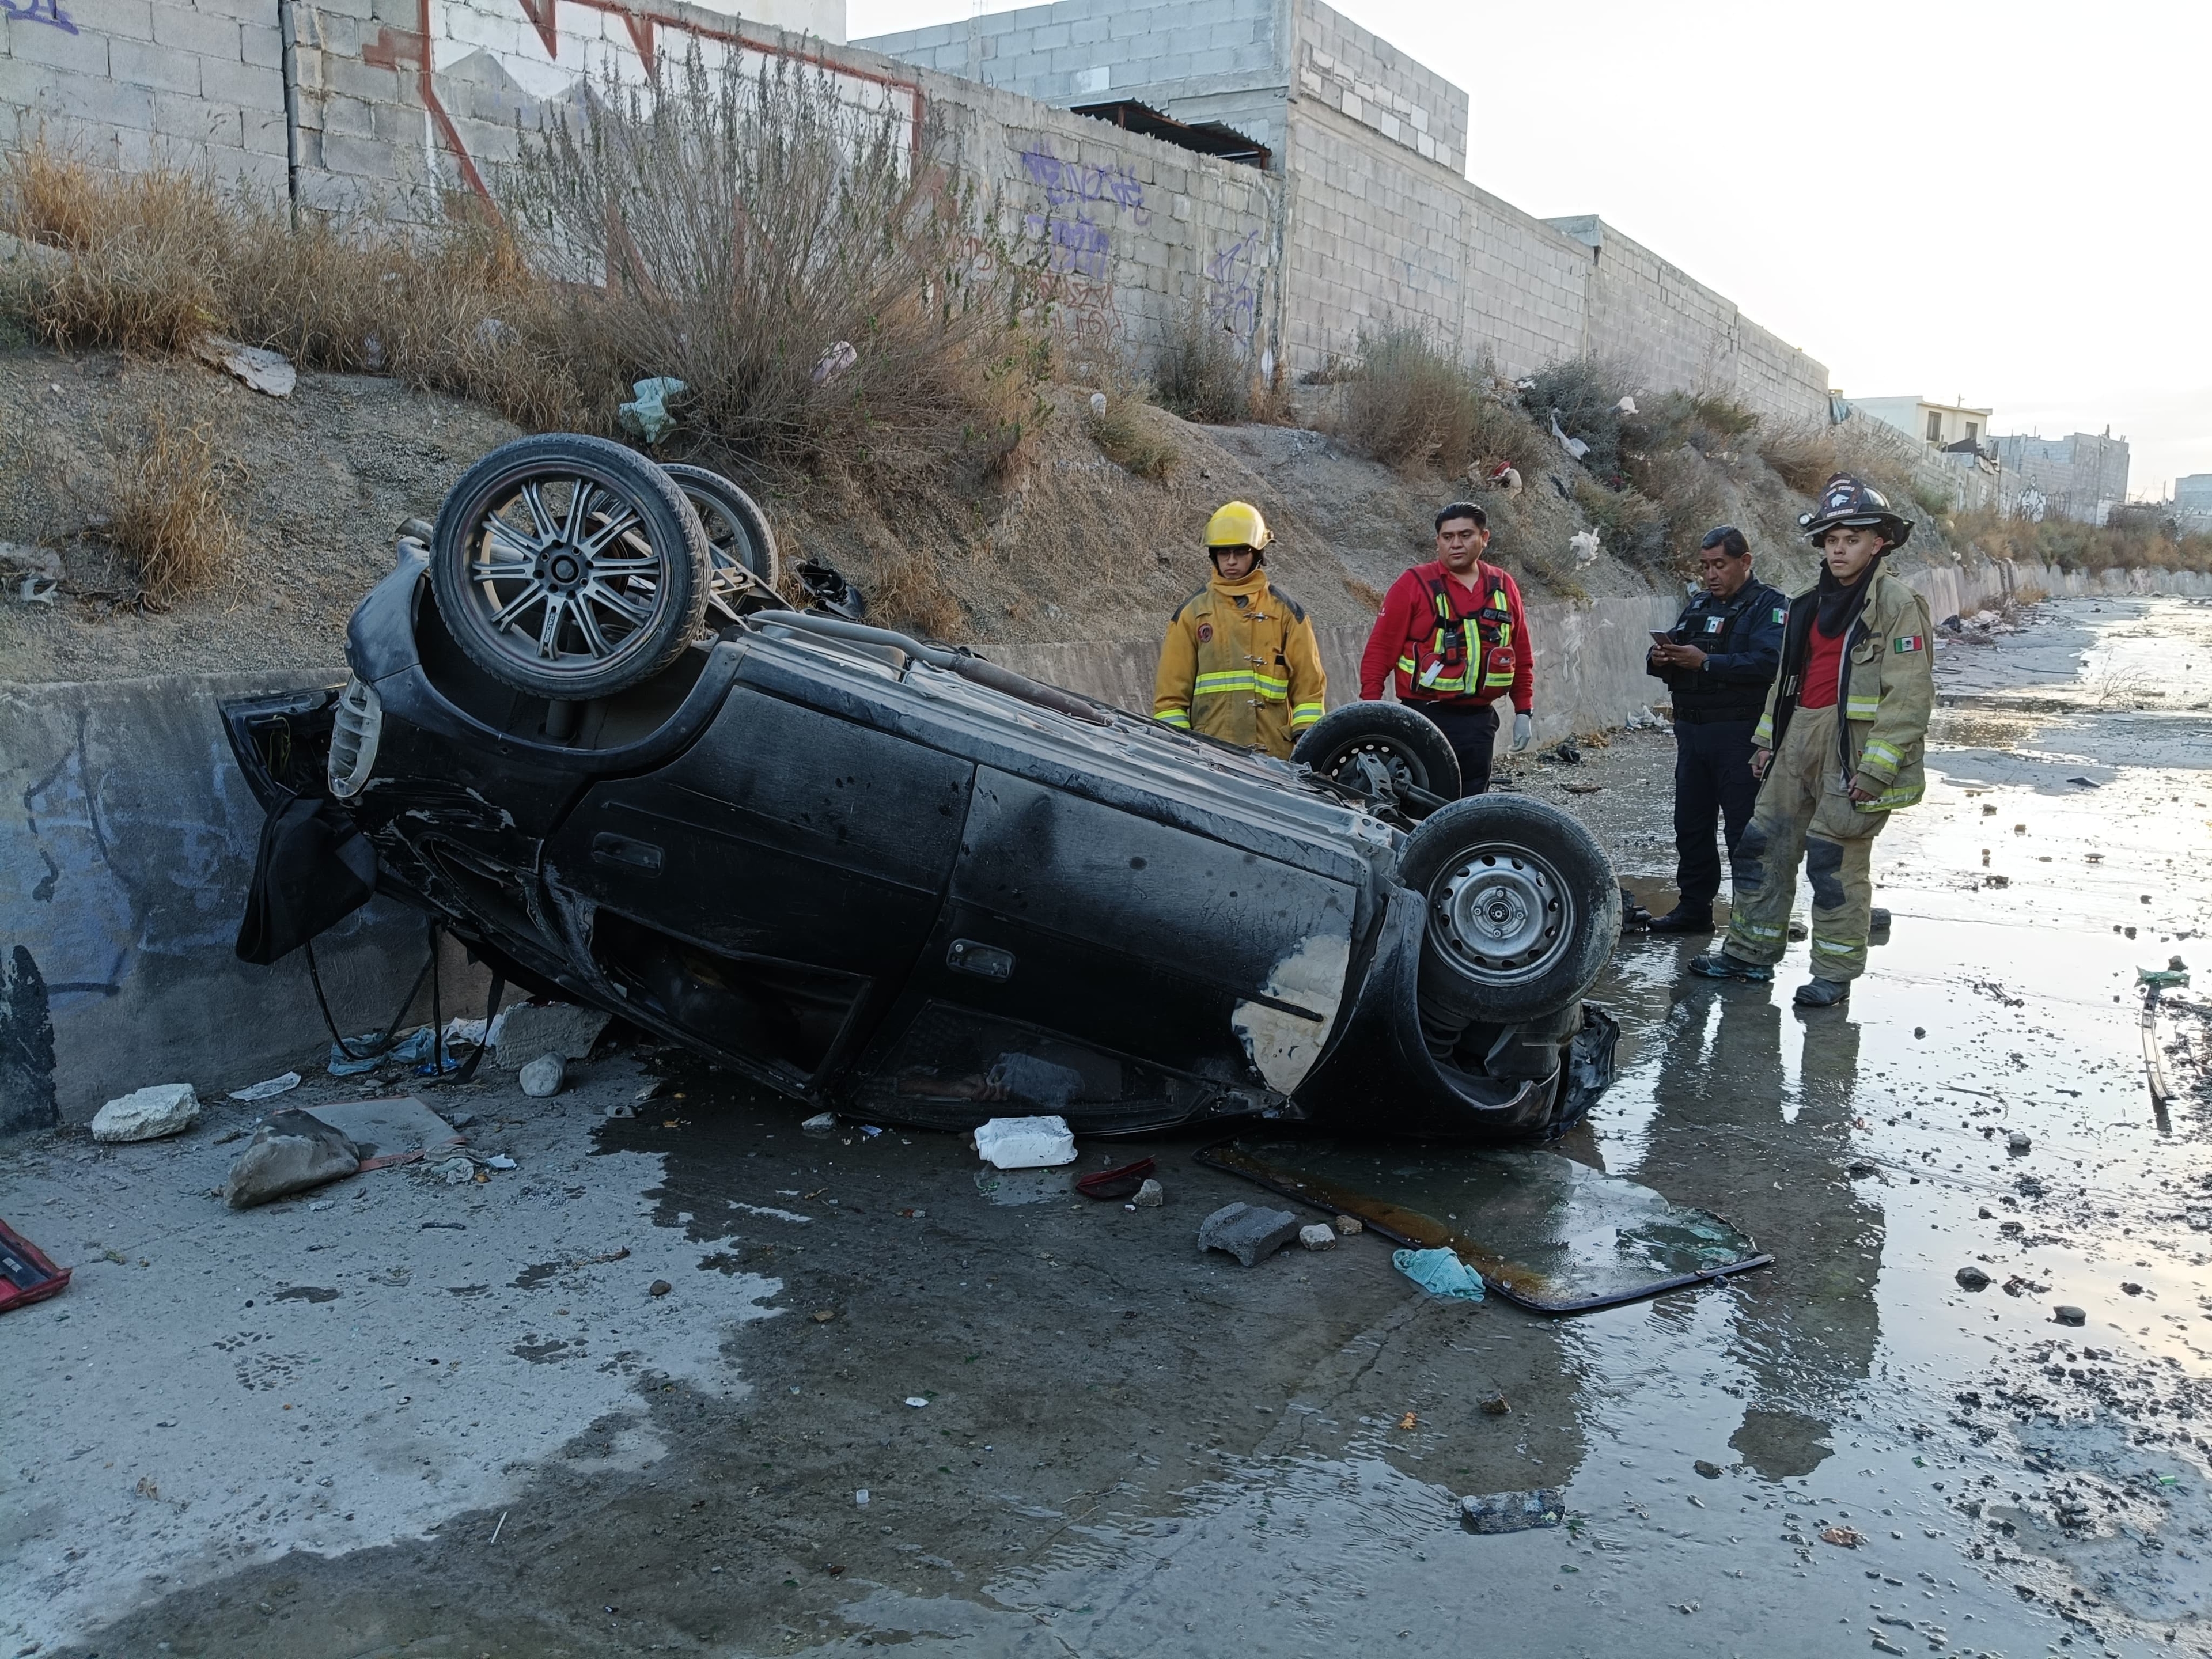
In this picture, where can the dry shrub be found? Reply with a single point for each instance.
(908, 591)
(143, 253)
(1691, 500)
(1135, 438)
(1201, 369)
(1410, 403)
(1628, 526)
(2082, 547)
(1707, 422)
(784, 254)
(1583, 394)
(1802, 453)
(168, 520)
(1367, 593)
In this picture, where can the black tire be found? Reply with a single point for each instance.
(1346, 743)
(1523, 908)
(587, 523)
(739, 537)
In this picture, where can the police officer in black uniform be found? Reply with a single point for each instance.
(1720, 658)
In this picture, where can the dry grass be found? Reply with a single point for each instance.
(169, 521)
(1201, 372)
(2069, 546)
(1629, 525)
(1409, 403)
(1134, 437)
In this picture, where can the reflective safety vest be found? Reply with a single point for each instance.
(1463, 656)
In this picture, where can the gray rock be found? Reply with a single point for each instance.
(1512, 1512)
(1318, 1236)
(533, 1029)
(290, 1152)
(543, 1076)
(2067, 1315)
(1151, 1195)
(1249, 1234)
(148, 1114)
(2016, 1141)
(1349, 1224)
(1972, 1278)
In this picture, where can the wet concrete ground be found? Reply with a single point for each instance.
(493, 1440)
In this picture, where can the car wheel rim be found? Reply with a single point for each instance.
(730, 554)
(563, 574)
(1373, 761)
(1500, 914)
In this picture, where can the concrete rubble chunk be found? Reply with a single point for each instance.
(543, 1076)
(2017, 1140)
(148, 1114)
(532, 1029)
(1318, 1236)
(1249, 1234)
(1349, 1224)
(1025, 1143)
(266, 371)
(1151, 1195)
(290, 1152)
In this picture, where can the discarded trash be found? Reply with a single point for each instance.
(1317, 1236)
(2172, 977)
(835, 359)
(1440, 1273)
(1574, 446)
(1584, 545)
(821, 1123)
(1116, 1183)
(501, 1161)
(2086, 783)
(647, 414)
(1972, 1278)
(869, 1131)
(1848, 1537)
(532, 1029)
(1408, 1420)
(266, 371)
(1246, 1233)
(1556, 1235)
(1151, 1195)
(2065, 1314)
(1097, 405)
(861, 1497)
(1512, 1512)
(916, 1401)
(1025, 1143)
(1625, 406)
(27, 1274)
(270, 1089)
(148, 1114)
(290, 1152)
(413, 1049)
(457, 1171)
(543, 1076)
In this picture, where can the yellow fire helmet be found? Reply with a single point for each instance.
(1238, 524)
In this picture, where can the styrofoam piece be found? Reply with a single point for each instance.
(1025, 1143)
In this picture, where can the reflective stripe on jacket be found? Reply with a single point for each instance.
(1886, 691)
(1240, 663)
(1444, 643)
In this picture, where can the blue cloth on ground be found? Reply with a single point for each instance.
(1440, 1273)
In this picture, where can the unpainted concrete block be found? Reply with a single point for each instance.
(149, 1114)
(1246, 1233)
(139, 63)
(532, 1029)
(187, 28)
(114, 20)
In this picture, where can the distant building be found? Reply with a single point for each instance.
(1938, 425)
(2081, 477)
(2194, 493)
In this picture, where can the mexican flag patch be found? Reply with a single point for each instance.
(1910, 643)
(1781, 615)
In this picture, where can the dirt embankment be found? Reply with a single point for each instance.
(1074, 547)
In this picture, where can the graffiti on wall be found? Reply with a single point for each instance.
(1081, 203)
(1232, 286)
(48, 12)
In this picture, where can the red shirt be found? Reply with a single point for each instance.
(1824, 666)
(1407, 615)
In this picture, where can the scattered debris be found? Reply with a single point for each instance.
(916, 1400)
(2066, 1314)
(266, 371)
(1711, 1470)
(1440, 1273)
(380, 1129)
(1246, 1233)
(828, 590)
(532, 1029)
(148, 1114)
(2017, 1140)
(1349, 1224)
(501, 1161)
(1512, 1512)
(821, 1123)
(1496, 1404)
(1848, 1537)
(836, 359)
(1319, 1236)
(27, 1274)
(1025, 1143)
(1584, 545)
(1151, 1195)
(456, 1171)
(1409, 1420)
(1116, 1183)
(290, 1152)
(268, 1090)
(543, 1077)
(822, 1316)
(1972, 1278)
(2174, 976)
(646, 414)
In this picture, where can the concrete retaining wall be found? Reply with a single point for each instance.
(127, 836)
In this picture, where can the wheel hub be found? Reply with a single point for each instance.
(1500, 910)
(563, 568)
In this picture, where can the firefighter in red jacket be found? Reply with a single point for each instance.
(1452, 633)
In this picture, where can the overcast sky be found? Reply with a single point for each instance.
(2008, 202)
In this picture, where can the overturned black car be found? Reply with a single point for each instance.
(586, 734)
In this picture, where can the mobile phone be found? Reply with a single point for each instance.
(1658, 638)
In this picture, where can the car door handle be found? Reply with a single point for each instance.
(641, 856)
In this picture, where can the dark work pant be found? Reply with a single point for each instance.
(1472, 731)
(1712, 780)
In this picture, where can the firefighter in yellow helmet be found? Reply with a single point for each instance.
(1239, 662)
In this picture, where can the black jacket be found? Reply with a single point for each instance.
(1741, 638)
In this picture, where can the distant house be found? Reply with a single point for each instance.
(1940, 426)
(2081, 477)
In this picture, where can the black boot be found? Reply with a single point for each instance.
(1680, 920)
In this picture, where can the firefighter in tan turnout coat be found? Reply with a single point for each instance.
(1838, 748)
